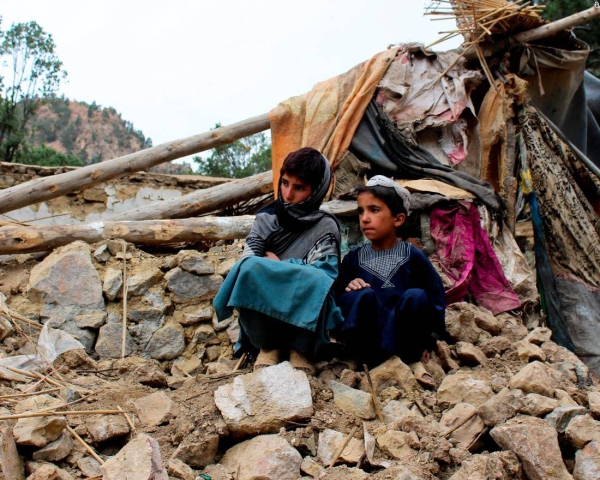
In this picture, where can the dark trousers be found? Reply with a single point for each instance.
(372, 332)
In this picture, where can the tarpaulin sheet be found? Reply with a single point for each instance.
(467, 258)
(566, 214)
(564, 92)
(326, 117)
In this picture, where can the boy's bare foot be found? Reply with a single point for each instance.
(300, 362)
(267, 358)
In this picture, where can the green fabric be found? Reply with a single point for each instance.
(289, 290)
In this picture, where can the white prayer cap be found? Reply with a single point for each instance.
(382, 181)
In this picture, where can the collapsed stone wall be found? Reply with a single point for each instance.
(508, 403)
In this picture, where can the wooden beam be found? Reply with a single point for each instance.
(27, 239)
(552, 28)
(203, 201)
(42, 189)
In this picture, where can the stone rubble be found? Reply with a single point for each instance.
(510, 403)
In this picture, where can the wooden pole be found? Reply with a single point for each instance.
(555, 27)
(42, 189)
(374, 395)
(27, 239)
(203, 201)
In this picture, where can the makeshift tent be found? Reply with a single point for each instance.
(504, 129)
(525, 146)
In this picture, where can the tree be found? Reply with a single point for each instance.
(242, 158)
(589, 32)
(48, 157)
(35, 73)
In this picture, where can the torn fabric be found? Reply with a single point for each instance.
(326, 117)
(466, 256)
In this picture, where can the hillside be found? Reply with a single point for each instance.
(90, 132)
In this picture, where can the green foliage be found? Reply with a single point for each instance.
(35, 72)
(588, 32)
(242, 158)
(47, 157)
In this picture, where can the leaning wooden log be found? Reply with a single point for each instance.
(27, 239)
(557, 26)
(42, 189)
(204, 201)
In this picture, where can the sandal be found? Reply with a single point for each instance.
(422, 375)
(300, 362)
(267, 358)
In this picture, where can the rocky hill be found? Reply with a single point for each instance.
(89, 132)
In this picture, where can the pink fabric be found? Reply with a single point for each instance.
(467, 258)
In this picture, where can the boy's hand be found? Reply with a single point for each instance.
(357, 284)
(271, 255)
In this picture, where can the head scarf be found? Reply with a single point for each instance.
(382, 181)
(299, 216)
(295, 230)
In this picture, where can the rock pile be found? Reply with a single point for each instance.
(509, 402)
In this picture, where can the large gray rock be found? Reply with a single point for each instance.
(110, 338)
(56, 450)
(350, 400)
(264, 401)
(560, 417)
(494, 466)
(167, 343)
(138, 460)
(70, 291)
(502, 406)
(462, 387)
(185, 287)
(535, 442)
(266, 457)
(587, 462)
(38, 431)
(192, 261)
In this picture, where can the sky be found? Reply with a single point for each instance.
(175, 68)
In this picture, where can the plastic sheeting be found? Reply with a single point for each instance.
(51, 343)
(564, 92)
(564, 199)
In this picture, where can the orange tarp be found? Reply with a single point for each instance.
(326, 117)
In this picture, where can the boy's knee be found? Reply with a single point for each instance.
(416, 297)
